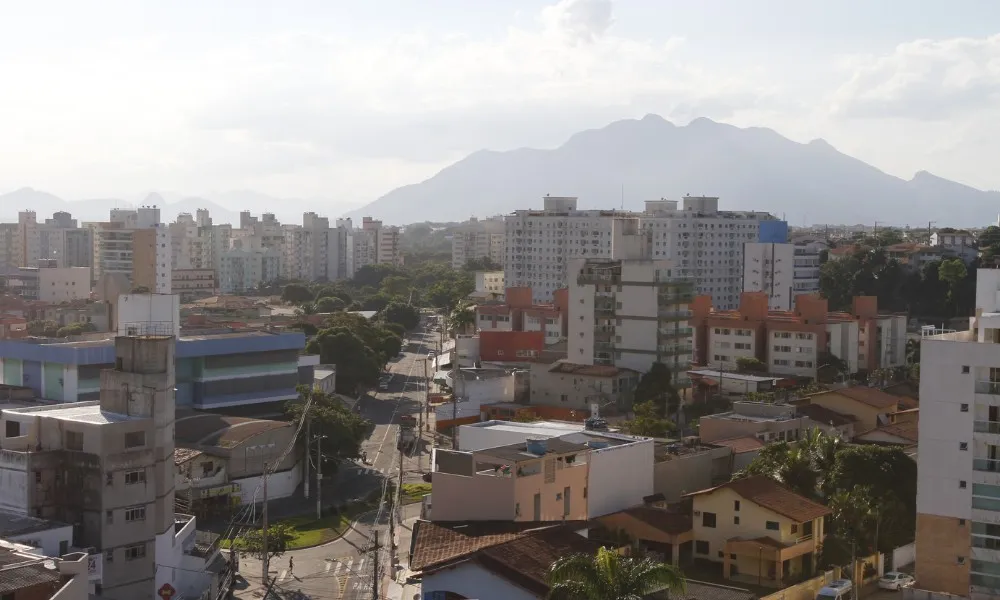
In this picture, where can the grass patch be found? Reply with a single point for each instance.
(414, 492)
(307, 531)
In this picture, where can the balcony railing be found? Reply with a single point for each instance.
(674, 315)
(988, 387)
(804, 538)
(986, 427)
(672, 333)
(988, 465)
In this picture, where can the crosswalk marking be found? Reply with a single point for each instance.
(328, 566)
(282, 575)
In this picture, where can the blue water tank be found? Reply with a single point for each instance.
(597, 445)
(774, 232)
(536, 447)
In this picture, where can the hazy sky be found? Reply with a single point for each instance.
(346, 100)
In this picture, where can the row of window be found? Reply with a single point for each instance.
(801, 364)
(132, 514)
(133, 552)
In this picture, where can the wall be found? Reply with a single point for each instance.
(63, 285)
(160, 310)
(14, 482)
(472, 581)
(279, 485)
(806, 590)
(904, 555)
(620, 477)
(472, 438)
(689, 473)
(494, 498)
(47, 540)
(912, 594)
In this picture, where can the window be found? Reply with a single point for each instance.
(38, 476)
(736, 505)
(701, 547)
(963, 446)
(736, 520)
(109, 516)
(961, 485)
(109, 478)
(137, 476)
(109, 556)
(772, 525)
(74, 440)
(564, 397)
(135, 552)
(965, 369)
(136, 439)
(960, 560)
(964, 408)
(707, 519)
(795, 528)
(12, 429)
(807, 528)
(135, 513)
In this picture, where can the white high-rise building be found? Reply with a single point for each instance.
(629, 310)
(702, 243)
(958, 465)
(782, 270)
(28, 247)
(469, 245)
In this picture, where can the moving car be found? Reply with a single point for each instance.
(894, 580)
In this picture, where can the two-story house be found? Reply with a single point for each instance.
(762, 532)
(869, 407)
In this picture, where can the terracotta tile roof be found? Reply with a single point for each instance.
(492, 309)
(871, 396)
(904, 431)
(824, 415)
(769, 494)
(740, 445)
(842, 250)
(904, 389)
(526, 560)
(590, 370)
(437, 544)
(29, 575)
(666, 521)
(182, 455)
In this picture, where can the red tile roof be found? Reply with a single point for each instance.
(493, 309)
(666, 521)
(871, 396)
(740, 445)
(904, 431)
(769, 494)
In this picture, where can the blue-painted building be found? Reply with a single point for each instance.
(212, 371)
(773, 232)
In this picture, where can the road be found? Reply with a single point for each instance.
(343, 569)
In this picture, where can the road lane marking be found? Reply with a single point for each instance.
(329, 565)
(282, 575)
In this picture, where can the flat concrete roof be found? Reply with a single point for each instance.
(731, 375)
(546, 428)
(81, 412)
(14, 525)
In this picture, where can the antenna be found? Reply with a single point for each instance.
(623, 196)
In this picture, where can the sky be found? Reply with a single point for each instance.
(344, 101)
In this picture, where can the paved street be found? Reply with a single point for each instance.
(343, 569)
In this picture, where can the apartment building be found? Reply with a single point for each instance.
(489, 285)
(192, 284)
(762, 532)
(242, 270)
(470, 245)
(48, 283)
(8, 246)
(106, 465)
(136, 244)
(776, 422)
(379, 244)
(792, 342)
(958, 466)
(782, 270)
(28, 247)
(518, 313)
(629, 310)
(61, 240)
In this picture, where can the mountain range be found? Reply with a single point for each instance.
(633, 160)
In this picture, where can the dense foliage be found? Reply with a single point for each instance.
(656, 386)
(344, 430)
(611, 576)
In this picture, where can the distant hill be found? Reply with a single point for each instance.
(651, 158)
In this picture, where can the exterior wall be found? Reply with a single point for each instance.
(63, 284)
(490, 282)
(510, 346)
(281, 484)
(161, 311)
(467, 350)
(726, 345)
(867, 416)
(770, 268)
(576, 391)
(620, 477)
(479, 437)
(844, 343)
(48, 541)
(685, 474)
(940, 542)
(15, 495)
(495, 498)
(489, 390)
(551, 493)
(752, 517)
(793, 351)
(470, 580)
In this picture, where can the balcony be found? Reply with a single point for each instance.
(604, 308)
(670, 333)
(674, 315)
(603, 334)
(991, 388)
(986, 427)
(986, 465)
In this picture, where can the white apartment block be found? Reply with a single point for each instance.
(701, 242)
(783, 271)
(469, 245)
(8, 246)
(490, 282)
(958, 476)
(242, 270)
(296, 253)
(28, 245)
(629, 310)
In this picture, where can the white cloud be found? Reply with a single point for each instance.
(924, 79)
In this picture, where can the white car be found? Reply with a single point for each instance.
(894, 580)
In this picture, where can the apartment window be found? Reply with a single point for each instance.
(772, 525)
(707, 519)
(109, 556)
(964, 407)
(38, 476)
(795, 528)
(964, 446)
(136, 439)
(736, 505)
(135, 552)
(961, 485)
(736, 520)
(137, 513)
(134, 477)
(74, 440)
(12, 429)
(564, 397)
(701, 547)
(109, 516)
(965, 369)
(782, 348)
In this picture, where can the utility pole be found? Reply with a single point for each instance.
(266, 551)
(375, 585)
(319, 477)
(456, 379)
(305, 479)
(420, 417)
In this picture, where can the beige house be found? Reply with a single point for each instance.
(762, 532)
(870, 407)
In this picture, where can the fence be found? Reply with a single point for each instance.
(903, 556)
(807, 589)
(912, 594)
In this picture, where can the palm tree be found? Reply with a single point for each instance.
(611, 576)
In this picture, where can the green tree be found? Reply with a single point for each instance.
(750, 364)
(43, 328)
(787, 464)
(344, 430)
(611, 576)
(396, 285)
(404, 314)
(952, 271)
(657, 385)
(296, 293)
(377, 302)
(647, 422)
(329, 304)
(461, 318)
(357, 364)
(483, 263)
(252, 542)
(372, 275)
(394, 328)
(139, 289)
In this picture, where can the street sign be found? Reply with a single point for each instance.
(166, 591)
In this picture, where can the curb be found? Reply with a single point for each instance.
(338, 537)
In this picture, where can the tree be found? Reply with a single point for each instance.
(43, 328)
(646, 422)
(329, 304)
(372, 275)
(396, 285)
(357, 364)
(750, 364)
(377, 302)
(252, 542)
(344, 430)
(75, 329)
(296, 293)
(404, 314)
(483, 263)
(786, 464)
(139, 289)
(952, 271)
(462, 318)
(656, 385)
(611, 576)
(394, 328)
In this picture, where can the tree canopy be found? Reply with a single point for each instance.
(358, 365)
(656, 385)
(344, 429)
(403, 314)
(647, 421)
(610, 576)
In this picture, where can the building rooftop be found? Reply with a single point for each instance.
(516, 453)
(824, 415)
(588, 370)
(535, 428)
(664, 520)
(14, 525)
(740, 445)
(34, 570)
(209, 429)
(81, 412)
(769, 494)
(717, 375)
(906, 432)
(873, 397)
(182, 455)
(671, 449)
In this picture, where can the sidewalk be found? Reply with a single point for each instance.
(397, 588)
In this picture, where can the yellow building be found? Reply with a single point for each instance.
(870, 407)
(762, 532)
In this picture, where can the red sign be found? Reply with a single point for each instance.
(167, 591)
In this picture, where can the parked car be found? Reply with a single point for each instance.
(894, 580)
(840, 589)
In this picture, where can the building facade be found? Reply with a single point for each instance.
(782, 271)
